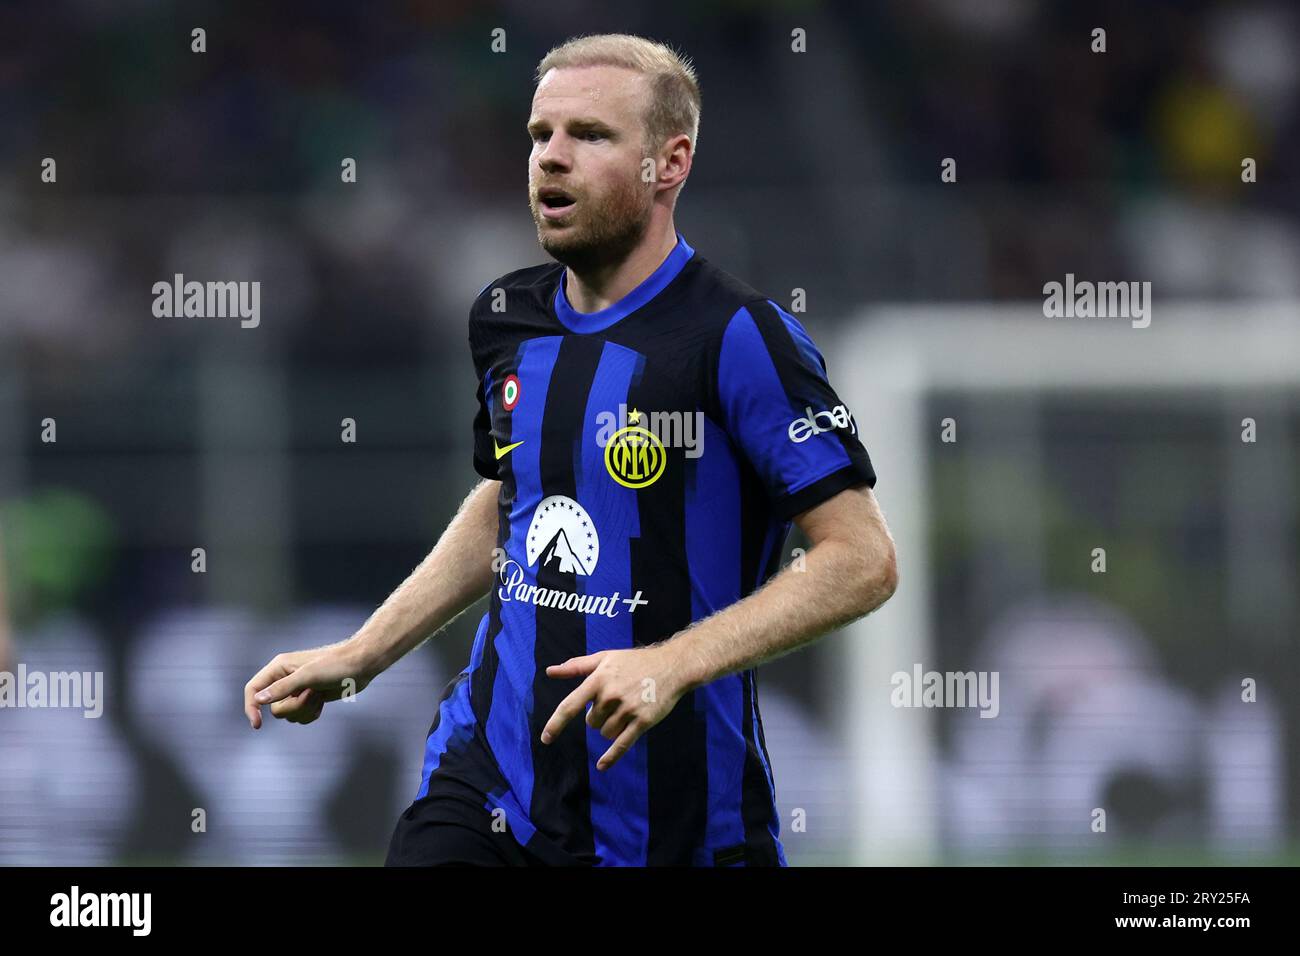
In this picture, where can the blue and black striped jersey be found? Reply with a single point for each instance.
(651, 457)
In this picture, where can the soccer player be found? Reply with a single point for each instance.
(648, 427)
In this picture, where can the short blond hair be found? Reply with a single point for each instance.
(674, 88)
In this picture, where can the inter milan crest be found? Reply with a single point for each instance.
(634, 456)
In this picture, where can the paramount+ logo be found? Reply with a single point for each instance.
(815, 423)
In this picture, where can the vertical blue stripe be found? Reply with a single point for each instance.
(619, 795)
(775, 826)
(512, 691)
(758, 741)
(758, 413)
(713, 540)
(455, 715)
(521, 828)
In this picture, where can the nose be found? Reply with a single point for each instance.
(554, 156)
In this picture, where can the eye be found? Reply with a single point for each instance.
(592, 135)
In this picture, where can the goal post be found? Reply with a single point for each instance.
(885, 365)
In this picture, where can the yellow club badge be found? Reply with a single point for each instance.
(634, 456)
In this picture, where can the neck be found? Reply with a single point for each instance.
(601, 286)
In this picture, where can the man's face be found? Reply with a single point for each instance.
(585, 187)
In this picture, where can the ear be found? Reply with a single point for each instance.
(675, 158)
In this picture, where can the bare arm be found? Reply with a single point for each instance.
(849, 571)
(455, 574)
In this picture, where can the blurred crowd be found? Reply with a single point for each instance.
(819, 169)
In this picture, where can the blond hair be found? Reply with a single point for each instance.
(674, 88)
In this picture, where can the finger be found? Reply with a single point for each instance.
(575, 666)
(286, 686)
(601, 711)
(621, 746)
(569, 708)
(274, 670)
(291, 705)
(252, 712)
(616, 724)
(309, 711)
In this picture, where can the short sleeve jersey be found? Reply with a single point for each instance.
(651, 456)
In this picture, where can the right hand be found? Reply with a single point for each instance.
(297, 685)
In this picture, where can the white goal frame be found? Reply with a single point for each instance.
(884, 366)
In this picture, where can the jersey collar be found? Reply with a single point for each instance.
(654, 283)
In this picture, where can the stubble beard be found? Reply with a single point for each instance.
(605, 234)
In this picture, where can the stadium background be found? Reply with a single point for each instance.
(817, 171)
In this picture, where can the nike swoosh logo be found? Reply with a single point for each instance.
(502, 452)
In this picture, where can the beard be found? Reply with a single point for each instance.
(599, 231)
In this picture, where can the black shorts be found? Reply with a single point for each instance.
(442, 831)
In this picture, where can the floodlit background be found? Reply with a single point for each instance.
(817, 171)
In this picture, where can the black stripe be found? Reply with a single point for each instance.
(466, 773)
(755, 798)
(824, 488)
(753, 526)
(561, 787)
(805, 386)
(677, 780)
(800, 381)
(756, 803)
(485, 676)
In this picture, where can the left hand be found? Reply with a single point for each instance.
(629, 691)
(298, 684)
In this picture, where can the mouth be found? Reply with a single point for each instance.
(554, 203)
